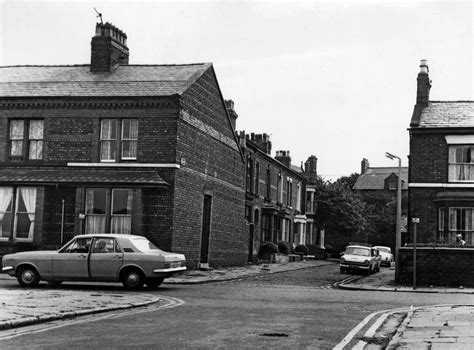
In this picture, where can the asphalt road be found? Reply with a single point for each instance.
(297, 309)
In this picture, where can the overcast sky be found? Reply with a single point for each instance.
(334, 79)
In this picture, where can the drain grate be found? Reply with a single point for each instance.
(274, 335)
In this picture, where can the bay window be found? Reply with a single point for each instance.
(17, 213)
(108, 210)
(461, 221)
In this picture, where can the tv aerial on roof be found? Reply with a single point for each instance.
(99, 15)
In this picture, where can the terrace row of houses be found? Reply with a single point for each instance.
(141, 149)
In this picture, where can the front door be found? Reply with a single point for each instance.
(206, 229)
(105, 260)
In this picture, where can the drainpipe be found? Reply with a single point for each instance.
(62, 221)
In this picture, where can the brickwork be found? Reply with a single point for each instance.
(428, 158)
(190, 131)
(438, 266)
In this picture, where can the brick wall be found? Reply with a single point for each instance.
(428, 158)
(438, 266)
(210, 164)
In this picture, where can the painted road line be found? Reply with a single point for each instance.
(351, 335)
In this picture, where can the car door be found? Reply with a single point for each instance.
(105, 260)
(71, 262)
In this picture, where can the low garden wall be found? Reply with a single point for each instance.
(437, 266)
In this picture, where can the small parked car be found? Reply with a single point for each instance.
(130, 259)
(385, 254)
(360, 258)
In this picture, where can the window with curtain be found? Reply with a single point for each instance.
(129, 138)
(461, 222)
(17, 220)
(96, 210)
(108, 140)
(17, 213)
(121, 221)
(6, 212)
(26, 139)
(118, 137)
(461, 163)
(108, 210)
(35, 139)
(25, 213)
(17, 136)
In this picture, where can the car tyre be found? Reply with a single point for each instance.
(28, 277)
(154, 283)
(132, 279)
(343, 270)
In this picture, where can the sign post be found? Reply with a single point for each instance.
(415, 221)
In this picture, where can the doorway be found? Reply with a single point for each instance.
(206, 229)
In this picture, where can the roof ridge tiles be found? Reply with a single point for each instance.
(88, 65)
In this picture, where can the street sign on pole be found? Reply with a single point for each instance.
(415, 221)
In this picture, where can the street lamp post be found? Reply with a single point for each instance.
(398, 235)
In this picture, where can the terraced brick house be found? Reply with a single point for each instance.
(274, 196)
(441, 188)
(115, 147)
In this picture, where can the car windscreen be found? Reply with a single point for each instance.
(385, 250)
(357, 251)
(144, 245)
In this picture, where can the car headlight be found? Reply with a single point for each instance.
(366, 263)
(343, 261)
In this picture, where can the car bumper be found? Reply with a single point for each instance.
(9, 269)
(354, 267)
(170, 270)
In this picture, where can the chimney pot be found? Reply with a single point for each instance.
(423, 85)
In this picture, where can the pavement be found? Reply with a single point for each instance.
(446, 327)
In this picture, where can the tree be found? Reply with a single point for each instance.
(339, 211)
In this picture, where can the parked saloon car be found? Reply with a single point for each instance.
(385, 254)
(132, 260)
(360, 258)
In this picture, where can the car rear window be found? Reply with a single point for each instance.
(143, 245)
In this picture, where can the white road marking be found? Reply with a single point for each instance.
(42, 327)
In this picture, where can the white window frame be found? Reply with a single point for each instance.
(460, 171)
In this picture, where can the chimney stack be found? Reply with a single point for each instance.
(284, 158)
(108, 48)
(229, 104)
(364, 165)
(424, 85)
(263, 142)
(311, 165)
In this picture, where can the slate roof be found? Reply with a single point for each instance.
(72, 175)
(79, 81)
(374, 178)
(446, 114)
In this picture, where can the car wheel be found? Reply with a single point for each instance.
(343, 270)
(154, 283)
(28, 277)
(132, 279)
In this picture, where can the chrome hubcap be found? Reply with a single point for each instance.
(132, 279)
(28, 276)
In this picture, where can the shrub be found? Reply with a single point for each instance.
(301, 249)
(266, 250)
(284, 247)
(330, 250)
